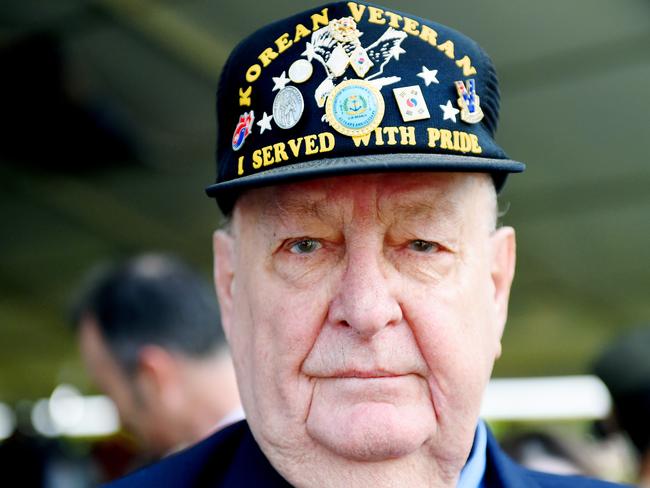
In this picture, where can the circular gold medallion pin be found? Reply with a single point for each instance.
(355, 107)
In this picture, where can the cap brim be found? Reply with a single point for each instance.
(227, 191)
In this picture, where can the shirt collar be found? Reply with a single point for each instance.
(472, 474)
(230, 418)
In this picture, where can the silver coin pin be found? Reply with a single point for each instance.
(288, 107)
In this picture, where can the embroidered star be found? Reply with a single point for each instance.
(265, 123)
(449, 111)
(309, 51)
(428, 75)
(280, 81)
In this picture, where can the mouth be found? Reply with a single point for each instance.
(364, 374)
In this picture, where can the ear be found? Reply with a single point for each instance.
(502, 272)
(224, 275)
(159, 378)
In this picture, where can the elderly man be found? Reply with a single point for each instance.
(362, 279)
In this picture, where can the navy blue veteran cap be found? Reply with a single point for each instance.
(351, 88)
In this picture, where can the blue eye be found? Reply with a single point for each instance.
(305, 246)
(419, 245)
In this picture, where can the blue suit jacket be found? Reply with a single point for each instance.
(231, 458)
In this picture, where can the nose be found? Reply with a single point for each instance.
(366, 296)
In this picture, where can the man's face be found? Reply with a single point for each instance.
(365, 313)
(135, 413)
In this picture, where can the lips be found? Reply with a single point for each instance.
(365, 374)
(361, 373)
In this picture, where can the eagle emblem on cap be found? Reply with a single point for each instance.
(338, 46)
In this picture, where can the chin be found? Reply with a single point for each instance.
(370, 432)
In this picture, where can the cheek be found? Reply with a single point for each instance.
(136, 420)
(285, 328)
(453, 330)
(277, 327)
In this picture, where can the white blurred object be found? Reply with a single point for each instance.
(7, 421)
(41, 419)
(100, 418)
(66, 407)
(69, 413)
(550, 398)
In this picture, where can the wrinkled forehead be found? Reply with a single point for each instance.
(453, 195)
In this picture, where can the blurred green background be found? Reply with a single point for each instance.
(107, 142)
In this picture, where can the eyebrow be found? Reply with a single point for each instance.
(304, 207)
(418, 208)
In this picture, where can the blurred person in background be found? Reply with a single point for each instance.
(150, 335)
(624, 366)
(549, 452)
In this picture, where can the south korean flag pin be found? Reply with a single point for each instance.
(360, 61)
(411, 103)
